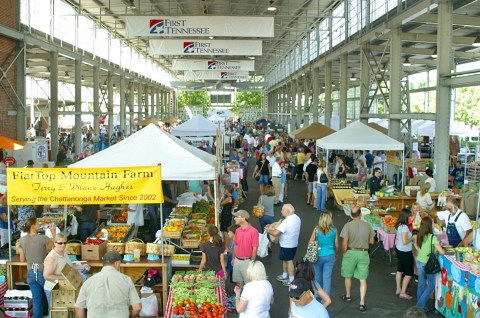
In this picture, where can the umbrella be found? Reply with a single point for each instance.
(10, 144)
(169, 120)
(148, 121)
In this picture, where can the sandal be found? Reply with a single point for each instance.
(363, 308)
(345, 298)
(406, 296)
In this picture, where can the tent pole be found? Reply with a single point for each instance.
(161, 227)
(9, 247)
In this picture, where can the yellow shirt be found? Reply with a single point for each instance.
(300, 158)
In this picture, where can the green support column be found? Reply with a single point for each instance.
(328, 94)
(78, 106)
(96, 100)
(316, 92)
(54, 104)
(344, 78)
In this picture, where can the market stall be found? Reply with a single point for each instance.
(197, 126)
(313, 131)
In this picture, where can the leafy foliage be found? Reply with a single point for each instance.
(199, 98)
(246, 100)
(467, 109)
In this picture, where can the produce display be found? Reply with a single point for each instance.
(362, 190)
(340, 184)
(201, 207)
(374, 220)
(116, 233)
(388, 224)
(181, 258)
(93, 241)
(119, 216)
(182, 211)
(194, 294)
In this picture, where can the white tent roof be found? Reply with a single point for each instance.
(197, 126)
(359, 136)
(151, 146)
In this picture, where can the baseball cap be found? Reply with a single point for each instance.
(30, 162)
(242, 213)
(298, 287)
(112, 257)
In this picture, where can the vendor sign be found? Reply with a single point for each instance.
(394, 158)
(213, 65)
(205, 47)
(32, 186)
(216, 75)
(188, 26)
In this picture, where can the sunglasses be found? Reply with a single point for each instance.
(61, 243)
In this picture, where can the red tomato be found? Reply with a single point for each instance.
(200, 310)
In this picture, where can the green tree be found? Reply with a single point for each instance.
(244, 100)
(196, 99)
(467, 108)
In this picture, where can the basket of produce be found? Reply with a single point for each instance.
(191, 239)
(74, 247)
(134, 244)
(116, 246)
(388, 225)
(201, 206)
(117, 233)
(156, 248)
(197, 222)
(182, 211)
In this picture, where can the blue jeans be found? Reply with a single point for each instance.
(85, 229)
(323, 271)
(321, 196)
(266, 219)
(36, 283)
(153, 215)
(425, 286)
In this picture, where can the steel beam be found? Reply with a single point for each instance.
(395, 83)
(343, 92)
(328, 94)
(314, 108)
(78, 106)
(110, 103)
(123, 96)
(418, 116)
(96, 100)
(53, 105)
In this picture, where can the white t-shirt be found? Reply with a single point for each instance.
(290, 228)
(137, 216)
(399, 239)
(425, 201)
(276, 170)
(313, 309)
(463, 223)
(433, 184)
(376, 161)
(259, 294)
(271, 160)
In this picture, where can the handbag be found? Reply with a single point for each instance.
(323, 177)
(258, 210)
(312, 250)
(151, 277)
(432, 266)
(257, 175)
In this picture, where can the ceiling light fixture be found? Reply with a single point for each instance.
(353, 78)
(83, 79)
(129, 4)
(407, 62)
(210, 37)
(27, 66)
(434, 54)
(47, 71)
(251, 57)
(271, 7)
(476, 43)
(66, 76)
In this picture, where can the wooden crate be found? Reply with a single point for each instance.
(63, 298)
(62, 313)
(72, 281)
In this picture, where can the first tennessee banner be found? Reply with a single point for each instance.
(52, 186)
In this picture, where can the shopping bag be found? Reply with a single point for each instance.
(149, 306)
(273, 226)
(263, 244)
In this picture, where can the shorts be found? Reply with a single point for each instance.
(405, 262)
(310, 187)
(240, 270)
(263, 179)
(355, 264)
(287, 253)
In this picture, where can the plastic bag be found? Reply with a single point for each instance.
(263, 245)
(149, 306)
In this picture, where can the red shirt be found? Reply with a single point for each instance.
(245, 240)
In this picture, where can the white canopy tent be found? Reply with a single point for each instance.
(151, 146)
(358, 136)
(197, 126)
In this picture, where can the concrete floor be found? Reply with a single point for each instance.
(381, 300)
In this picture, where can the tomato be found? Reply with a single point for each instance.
(200, 310)
(175, 311)
(181, 311)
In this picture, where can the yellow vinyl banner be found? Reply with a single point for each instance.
(51, 186)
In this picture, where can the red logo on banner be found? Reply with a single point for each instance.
(9, 161)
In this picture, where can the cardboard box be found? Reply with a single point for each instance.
(62, 313)
(72, 281)
(94, 252)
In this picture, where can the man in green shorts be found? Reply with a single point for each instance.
(357, 235)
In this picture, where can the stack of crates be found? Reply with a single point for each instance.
(18, 304)
(62, 300)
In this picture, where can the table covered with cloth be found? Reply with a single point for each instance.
(457, 289)
(220, 292)
(388, 239)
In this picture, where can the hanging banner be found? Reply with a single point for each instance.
(187, 26)
(53, 186)
(215, 75)
(206, 47)
(212, 65)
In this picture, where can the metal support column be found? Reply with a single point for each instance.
(152, 101)
(146, 100)
(96, 100)
(158, 104)
(53, 104)
(131, 110)
(78, 106)
(316, 92)
(123, 96)
(139, 103)
(395, 83)
(21, 95)
(365, 80)
(328, 94)
(444, 67)
(344, 78)
(299, 109)
(110, 103)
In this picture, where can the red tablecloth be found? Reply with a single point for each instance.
(219, 291)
